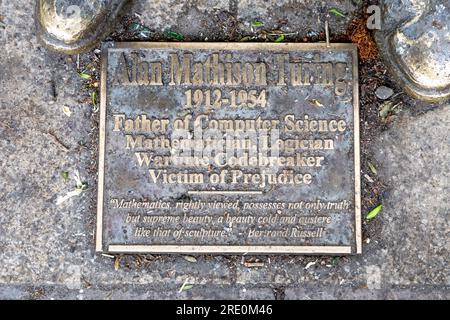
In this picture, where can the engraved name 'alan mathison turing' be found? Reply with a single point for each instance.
(183, 70)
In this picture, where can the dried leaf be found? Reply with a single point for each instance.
(337, 12)
(315, 103)
(310, 264)
(280, 38)
(116, 263)
(368, 178)
(80, 185)
(68, 195)
(372, 214)
(254, 264)
(387, 108)
(257, 24)
(67, 111)
(85, 76)
(372, 168)
(247, 38)
(190, 259)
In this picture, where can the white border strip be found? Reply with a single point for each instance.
(228, 249)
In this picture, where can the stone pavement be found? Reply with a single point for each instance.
(47, 250)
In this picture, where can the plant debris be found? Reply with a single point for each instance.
(372, 168)
(310, 264)
(363, 38)
(387, 109)
(140, 29)
(185, 286)
(116, 263)
(337, 12)
(372, 214)
(246, 38)
(315, 103)
(94, 98)
(67, 111)
(280, 38)
(257, 24)
(190, 259)
(85, 76)
(58, 141)
(254, 264)
(79, 188)
(65, 175)
(175, 35)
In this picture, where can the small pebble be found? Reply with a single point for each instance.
(384, 93)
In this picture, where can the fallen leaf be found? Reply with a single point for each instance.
(116, 263)
(386, 109)
(85, 76)
(94, 98)
(175, 35)
(337, 12)
(68, 195)
(80, 185)
(187, 287)
(280, 38)
(372, 214)
(310, 264)
(315, 103)
(368, 178)
(254, 264)
(257, 24)
(135, 26)
(67, 111)
(247, 38)
(65, 175)
(190, 259)
(372, 168)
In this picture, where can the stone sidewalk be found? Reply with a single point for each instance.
(47, 251)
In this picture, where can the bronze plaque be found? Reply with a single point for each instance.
(229, 148)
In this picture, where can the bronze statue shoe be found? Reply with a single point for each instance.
(75, 26)
(415, 44)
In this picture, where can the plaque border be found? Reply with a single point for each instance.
(228, 249)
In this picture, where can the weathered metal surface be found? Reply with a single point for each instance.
(285, 180)
(74, 26)
(414, 41)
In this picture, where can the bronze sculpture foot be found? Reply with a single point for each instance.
(74, 26)
(415, 44)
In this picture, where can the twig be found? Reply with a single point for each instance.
(58, 141)
(327, 33)
(254, 264)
